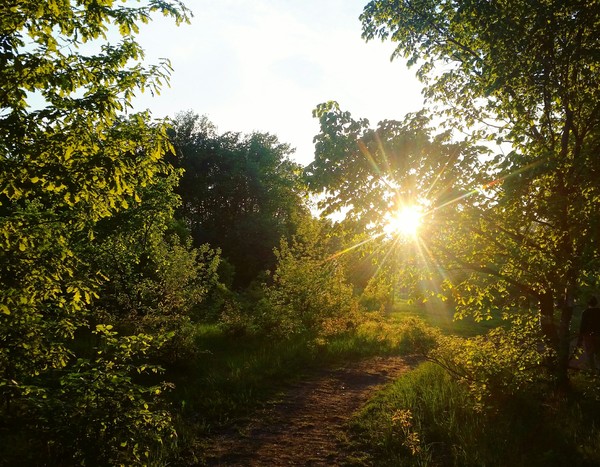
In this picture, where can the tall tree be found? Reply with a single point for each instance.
(372, 175)
(369, 172)
(67, 160)
(239, 193)
(522, 73)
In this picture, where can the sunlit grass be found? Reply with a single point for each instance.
(438, 314)
(438, 426)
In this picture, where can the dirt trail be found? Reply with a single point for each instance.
(306, 426)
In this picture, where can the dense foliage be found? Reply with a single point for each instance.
(239, 193)
(135, 251)
(310, 293)
(67, 161)
(520, 73)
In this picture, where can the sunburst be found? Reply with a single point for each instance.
(405, 221)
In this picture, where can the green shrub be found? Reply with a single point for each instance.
(97, 411)
(309, 293)
(497, 364)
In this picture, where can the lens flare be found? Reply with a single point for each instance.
(405, 221)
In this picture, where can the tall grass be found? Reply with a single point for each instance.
(426, 418)
(231, 376)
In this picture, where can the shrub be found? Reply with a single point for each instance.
(309, 293)
(96, 411)
(498, 364)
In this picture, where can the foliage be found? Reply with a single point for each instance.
(154, 279)
(239, 193)
(45, 294)
(67, 160)
(495, 365)
(366, 173)
(378, 292)
(309, 291)
(520, 74)
(99, 414)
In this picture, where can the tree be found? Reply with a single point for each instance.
(67, 160)
(239, 193)
(369, 173)
(154, 277)
(309, 293)
(521, 73)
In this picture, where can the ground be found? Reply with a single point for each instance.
(306, 425)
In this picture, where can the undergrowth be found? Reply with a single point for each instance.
(427, 419)
(234, 375)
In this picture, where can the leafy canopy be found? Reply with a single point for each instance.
(240, 193)
(68, 158)
(522, 73)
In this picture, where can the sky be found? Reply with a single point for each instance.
(264, 65)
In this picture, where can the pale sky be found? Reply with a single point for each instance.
(264, 65)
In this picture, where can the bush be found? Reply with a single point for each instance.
(495, 365)
(96, 411)
(309, 294)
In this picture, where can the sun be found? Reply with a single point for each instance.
(405, 221)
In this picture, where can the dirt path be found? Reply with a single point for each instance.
(306, 426)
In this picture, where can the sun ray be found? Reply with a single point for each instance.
(356, 245)
(404, 221)
(487, 185)
(391, 248)
(365, 152)
(439, 175)
(431, 260)
(383, 153)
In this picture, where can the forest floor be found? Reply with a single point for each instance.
(306, 425)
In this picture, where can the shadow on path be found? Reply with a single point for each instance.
(306, 426)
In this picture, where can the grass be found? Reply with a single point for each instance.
(232, 376)
(423, 418)
(437, 314)
(426, 418)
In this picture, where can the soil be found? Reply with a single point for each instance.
(306, 426)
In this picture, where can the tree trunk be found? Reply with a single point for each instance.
(547, 322)
(564, 343)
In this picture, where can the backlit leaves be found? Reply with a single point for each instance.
(68, 158)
